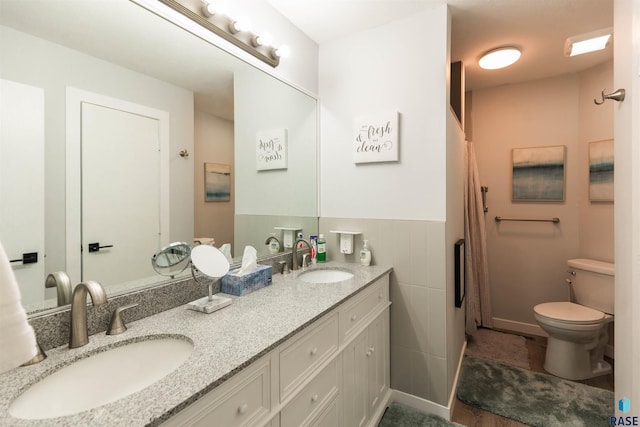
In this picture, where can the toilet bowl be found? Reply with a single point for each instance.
(578, 330)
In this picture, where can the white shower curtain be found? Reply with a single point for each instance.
(478, 298)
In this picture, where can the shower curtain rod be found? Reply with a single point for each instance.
(554, 219)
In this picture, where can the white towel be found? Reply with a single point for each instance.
(17, 339)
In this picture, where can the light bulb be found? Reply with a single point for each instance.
(241, 24)
(282, 52)
(208, 10)
(264, 39)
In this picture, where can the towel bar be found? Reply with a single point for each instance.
(554, 219)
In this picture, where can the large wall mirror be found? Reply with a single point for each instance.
(122, 133)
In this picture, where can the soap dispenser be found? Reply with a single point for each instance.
(365, 254)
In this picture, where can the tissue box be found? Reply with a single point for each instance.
(241, 285)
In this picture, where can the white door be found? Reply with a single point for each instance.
(117, 187)
(22, 183)
(120, 194)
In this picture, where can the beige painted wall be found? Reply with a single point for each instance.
(527, 261)
(213, 144)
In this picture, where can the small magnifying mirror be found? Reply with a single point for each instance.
(172, 259)
(208, 261)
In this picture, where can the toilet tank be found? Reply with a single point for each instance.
(593, 283)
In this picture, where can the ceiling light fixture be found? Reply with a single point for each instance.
(499, 58)
(212, 15)
(589, 42)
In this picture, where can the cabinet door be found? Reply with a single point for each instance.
(354, 382)
(378, 359)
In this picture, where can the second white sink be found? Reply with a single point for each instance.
(325, 275)
(101, 378)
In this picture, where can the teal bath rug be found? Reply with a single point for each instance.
(398, 415)
(532, 398)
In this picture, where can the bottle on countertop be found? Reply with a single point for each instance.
(365, 254)
(274, 244)
(322, 249)
(313, 241)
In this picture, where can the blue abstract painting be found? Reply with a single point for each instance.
(538, 173)
(217, 182)
(601, 171)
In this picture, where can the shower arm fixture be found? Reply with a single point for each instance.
(618, 95)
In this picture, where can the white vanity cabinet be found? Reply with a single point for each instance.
(335, 372)
(365, 357)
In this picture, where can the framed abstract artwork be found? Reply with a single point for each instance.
(538, 173)
(217, 182)
(601, 171)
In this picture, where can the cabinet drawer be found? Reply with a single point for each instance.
(312, 399)
(353, 314)
(306, 352)
(242, 401)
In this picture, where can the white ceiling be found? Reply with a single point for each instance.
(538, 27)
(103, 28)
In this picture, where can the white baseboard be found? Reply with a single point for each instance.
(428, 406)
(420, 404)
(529, 329)
(524, 328)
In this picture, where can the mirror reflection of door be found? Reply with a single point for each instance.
(121, 169)
(120, 194)
(22, 183)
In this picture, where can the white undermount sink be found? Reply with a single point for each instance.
(325, 275)
(101, 378)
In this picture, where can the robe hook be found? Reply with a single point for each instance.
(616, 96)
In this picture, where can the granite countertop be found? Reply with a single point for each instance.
(224, 342)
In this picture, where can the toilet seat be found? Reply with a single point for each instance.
(569, 312)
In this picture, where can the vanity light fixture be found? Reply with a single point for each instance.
(588, 42)
(213, 16)
(499, 58)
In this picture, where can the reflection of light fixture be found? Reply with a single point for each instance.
(499, 58)
(589, 42)
(212, 15)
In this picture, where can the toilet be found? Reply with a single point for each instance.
(578, 330)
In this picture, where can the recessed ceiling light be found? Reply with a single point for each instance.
(589, 42)
(499, 58)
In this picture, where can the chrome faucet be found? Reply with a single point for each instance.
(270, 238)
(79, 335)
(60, 280)
(294, 252)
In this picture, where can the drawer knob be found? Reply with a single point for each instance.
(313, 351)
(314, 398)
(242, 409)
(368, 353)
(379, 296)
(353, 317)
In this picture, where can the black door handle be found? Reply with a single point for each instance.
(27, 258)
(95, 247)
